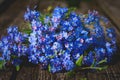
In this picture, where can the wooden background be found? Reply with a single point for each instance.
(13, 15)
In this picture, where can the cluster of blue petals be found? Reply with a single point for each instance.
(58, 40)
(12, 47)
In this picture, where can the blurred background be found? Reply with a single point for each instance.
(12, 11)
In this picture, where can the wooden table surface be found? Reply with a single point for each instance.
(112, 9)
(14, 16)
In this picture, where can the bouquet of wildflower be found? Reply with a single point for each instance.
(60, 41)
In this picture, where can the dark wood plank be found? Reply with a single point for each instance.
(112, 9)
(15, 16)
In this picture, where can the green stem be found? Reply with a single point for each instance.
(97, 68)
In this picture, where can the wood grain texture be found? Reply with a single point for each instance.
(15, 16)
(112, 9)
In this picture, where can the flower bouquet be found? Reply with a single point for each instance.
(60, 41)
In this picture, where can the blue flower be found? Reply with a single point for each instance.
(109, 48)
(16, 62)
(59, 11)
(68, 65)
(105, 19)
(1, 58)
(71, 38)
(69, 45)
(57, 41)
(9, 30)
(23, 50)
(5, 40)
(33, 38)
(100, 53)
(112, 35)
(77, 32)
(75, 20)
(1, 44)
(98, 30)
(65, 25)
(66, 55)
(42, 59)
(47, 20)
(6, 54)
(55, 65)
(31, 14)
(56, 46)
(89, 59)
(92, 17)
(33, 59)
(57, 14)
(15, 29)
(11, 44)
(15, 48)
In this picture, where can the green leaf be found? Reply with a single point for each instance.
(69, 12)
(83, 78)
(55, 52)
(13, 57)
(49, 68)
(2, 63)
(102, 61)
(42, 18)
(104, 67)
(93, 63)
(51, 57)
(79, 61)
(27, 31)
(100, 68)
(71, 73)
(17, 68)
(72, 9)
(96, 68)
